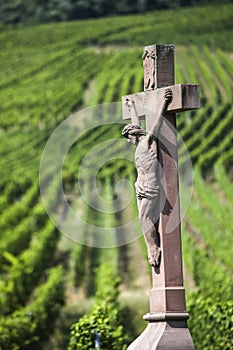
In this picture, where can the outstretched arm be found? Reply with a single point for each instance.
(163, 109)
(134, 115)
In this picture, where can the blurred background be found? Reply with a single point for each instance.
(59, 58)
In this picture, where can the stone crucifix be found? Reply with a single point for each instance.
(157, 190)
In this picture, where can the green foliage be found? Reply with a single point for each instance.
(27, 269)
(211, 323)
(224, 181)
(24, 328)
(207, 241)
(15, 11)
(207, 249)
(104, 319)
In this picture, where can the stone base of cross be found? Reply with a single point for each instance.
(167, 328)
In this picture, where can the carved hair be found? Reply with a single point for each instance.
(133, 129)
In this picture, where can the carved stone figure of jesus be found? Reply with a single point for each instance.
(148, 178)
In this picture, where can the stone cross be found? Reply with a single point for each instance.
(167, 327)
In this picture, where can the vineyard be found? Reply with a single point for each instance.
(52, 288)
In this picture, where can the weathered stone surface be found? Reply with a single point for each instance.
(166, 335)
(167, 327)
(185, 97)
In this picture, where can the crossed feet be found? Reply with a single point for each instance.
(154, 255)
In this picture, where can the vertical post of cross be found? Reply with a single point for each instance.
(167, 327)
(167, 294)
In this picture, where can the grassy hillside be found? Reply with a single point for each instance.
(49, 72)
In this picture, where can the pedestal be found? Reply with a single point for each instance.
(164, 332)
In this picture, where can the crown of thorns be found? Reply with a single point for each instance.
(133, 129)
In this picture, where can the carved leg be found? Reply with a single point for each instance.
(148, 220)
(154, 251)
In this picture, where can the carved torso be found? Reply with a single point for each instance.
(147, 164)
